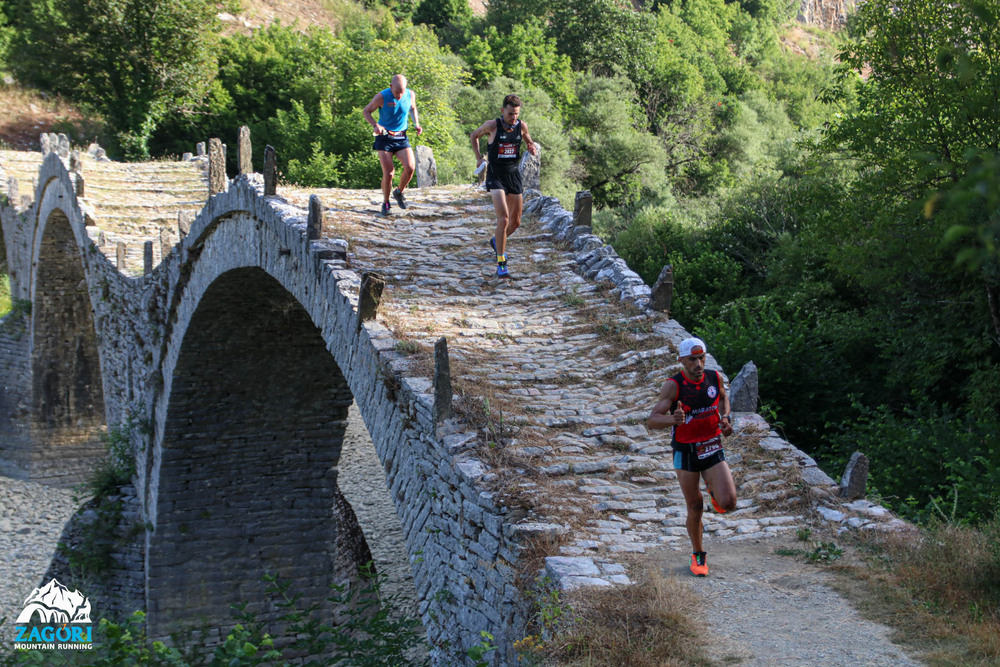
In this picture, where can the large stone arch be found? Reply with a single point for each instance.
(247, 475)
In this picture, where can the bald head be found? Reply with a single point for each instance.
(398, 86)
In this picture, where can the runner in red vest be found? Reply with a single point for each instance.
(695, 404)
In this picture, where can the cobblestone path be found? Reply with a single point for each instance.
(568, 373)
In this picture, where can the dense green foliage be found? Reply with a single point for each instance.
(135, 61)
(837, 224)
(373, 632)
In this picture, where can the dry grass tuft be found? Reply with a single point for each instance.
(939, 588)
(649, 624)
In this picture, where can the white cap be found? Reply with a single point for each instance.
(690, 346)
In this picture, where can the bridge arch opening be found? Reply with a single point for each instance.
(250, 448)
(67, 391)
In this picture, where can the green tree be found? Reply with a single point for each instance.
(620, 158)
(135, 61)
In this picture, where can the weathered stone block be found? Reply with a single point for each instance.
(270, 172)
(663, 290)
(743, 390)
(216, 167)
(531, 168)
(854, 483)
(426, 167)
(245, 152)
(582, 209)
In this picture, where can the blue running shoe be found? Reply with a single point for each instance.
(502, 271)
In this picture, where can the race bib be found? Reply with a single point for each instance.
(507, 151)
(707, 448)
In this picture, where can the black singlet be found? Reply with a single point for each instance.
(505, 148)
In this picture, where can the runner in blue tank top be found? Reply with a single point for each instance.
(503, 177)
(395, 104)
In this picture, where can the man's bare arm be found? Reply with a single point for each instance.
(726, 425)
(376, 103)
(532, 148)
(660, 417)
(487, 128)
(413, 112)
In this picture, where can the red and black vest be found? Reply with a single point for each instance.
(700, 403)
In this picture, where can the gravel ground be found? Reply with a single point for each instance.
(764, 610)
(32, 517)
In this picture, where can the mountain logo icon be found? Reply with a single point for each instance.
(54, 604)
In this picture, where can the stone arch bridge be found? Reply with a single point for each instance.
(229, 364)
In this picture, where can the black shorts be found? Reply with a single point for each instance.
(385, 142)
(508, 181)
(698, 456)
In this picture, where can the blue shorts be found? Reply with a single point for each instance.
(385, 142)
(698, 456)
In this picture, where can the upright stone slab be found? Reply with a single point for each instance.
(165, 244)
(369, 297)
(531, 169)
(743, 390)
(120, 256)
(270, 172)
(75, 164)
(63, 146)
(200, 148)
(96, 152)
(187, 157)
(183, 224)
(442, 381)
(216, 167)
(662, 294)
(583, 208)
(147, 258)
(43, 140)
(854, 483)
(12, 190)
(427, 174)
(81, 186)
(245, 154)
(314, 225)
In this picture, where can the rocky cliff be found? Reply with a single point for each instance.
(827, 14)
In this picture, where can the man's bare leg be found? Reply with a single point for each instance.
(500, 200)
(388, 171)
(409, 162)
(514, 205)
(720, 479)
(691, 488)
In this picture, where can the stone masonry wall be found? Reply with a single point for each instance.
(149, 354)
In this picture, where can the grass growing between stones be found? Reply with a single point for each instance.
(650, 624)
(5, 300)
(938, 587)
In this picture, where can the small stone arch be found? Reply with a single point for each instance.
(67, 410)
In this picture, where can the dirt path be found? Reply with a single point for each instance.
(764, 609)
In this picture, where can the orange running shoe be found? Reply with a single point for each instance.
(699, 567)
(716, 506)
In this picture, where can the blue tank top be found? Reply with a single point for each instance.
(395, 114)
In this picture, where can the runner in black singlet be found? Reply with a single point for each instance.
(503, 178)
(694, 402)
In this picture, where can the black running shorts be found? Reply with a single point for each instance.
(508, 181)
(384, 142)
(698, 456)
